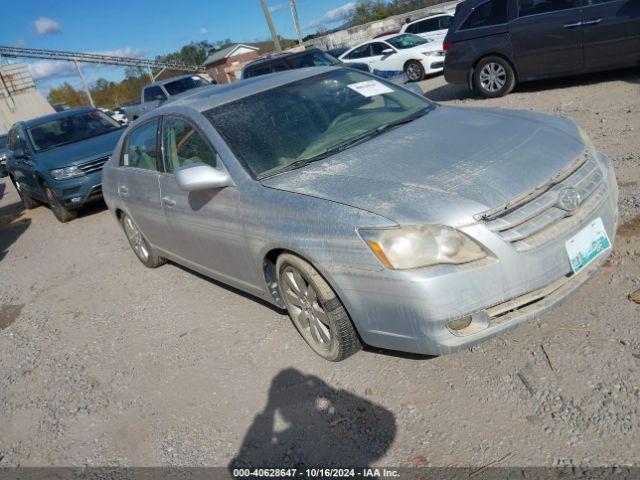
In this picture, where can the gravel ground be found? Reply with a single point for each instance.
(104, 362)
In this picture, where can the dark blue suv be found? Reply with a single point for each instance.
(58, 159)
(494, 44)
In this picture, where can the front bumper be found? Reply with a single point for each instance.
(76, 192)
(433, 64)
(410, 310)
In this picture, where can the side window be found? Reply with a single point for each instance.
(445, 22)
(493, 12)
(533, 7)
(413, 28)
(184, 144)
(154, 93)
(428, 25)
(377, 48)
(141, 147)
(360, 52)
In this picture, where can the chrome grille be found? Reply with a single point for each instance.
(93, 165)
(537, 217)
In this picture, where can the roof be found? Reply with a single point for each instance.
(431, 15)
(226, 52)
(206, 98)
(56, 116)
(164, 81)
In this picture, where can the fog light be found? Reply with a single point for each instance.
(76, 199)
(460, 323)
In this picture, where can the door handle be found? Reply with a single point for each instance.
(124, 191)
(169, 202)
(572, 25)
(593, 21)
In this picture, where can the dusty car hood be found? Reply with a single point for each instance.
(444, 167)
(80, 152)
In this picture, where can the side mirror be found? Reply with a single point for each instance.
(388, 51)
(19, 154)
(199, 176)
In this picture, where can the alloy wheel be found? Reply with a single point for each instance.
(493, 77)
(306, 310)
(136, 239)
(414, 72)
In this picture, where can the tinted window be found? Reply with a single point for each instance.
(141, 150)
(71, 129)
(493, 12)
(154, 93)
(377, 48)
(533, 7)
(413, 28)
(303, 120)
(3, 141)
(184, 145)
(445, 22)
(406, 40)
(313, 59)
(428, 25)
(184, 84)
(360, 52)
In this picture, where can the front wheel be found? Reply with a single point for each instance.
(62, 213)
(139, 244)
(414, 71)
(27, 201)
(315, 310)
(494, 77)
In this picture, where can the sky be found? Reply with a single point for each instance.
(146, 28)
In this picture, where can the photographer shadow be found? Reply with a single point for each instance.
(308, 423)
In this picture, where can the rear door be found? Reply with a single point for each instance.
(204, 226)
(547, 38)
(611, 30)
(138, 183)
(23, 169)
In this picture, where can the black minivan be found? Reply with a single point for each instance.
(494, 44)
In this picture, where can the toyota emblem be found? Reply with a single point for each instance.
(568, 199)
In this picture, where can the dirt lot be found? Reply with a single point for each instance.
(104, 362)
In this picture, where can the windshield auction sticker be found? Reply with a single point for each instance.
(370, 88)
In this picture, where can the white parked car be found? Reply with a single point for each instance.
(433, 27)
(392, 54)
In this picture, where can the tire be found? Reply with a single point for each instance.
(493, 77)
(414, 71)
(27, 201)
(139, 244)
(315, 310)
(62, 213)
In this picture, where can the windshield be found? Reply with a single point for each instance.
(71, 129)
(3, 141)
(406, 40)
(184, 84)
(302, 121)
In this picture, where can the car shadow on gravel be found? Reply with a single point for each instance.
(12, 226)
(449, 92)
(307, 422)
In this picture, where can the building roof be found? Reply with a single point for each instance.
(226, 52)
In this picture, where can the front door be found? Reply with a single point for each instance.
(611, 30)
(138, 184)
(547, 38)
(205, 230)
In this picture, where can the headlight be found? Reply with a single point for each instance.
(421, 245)
(66, 173)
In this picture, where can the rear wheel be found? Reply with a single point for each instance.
(139, 244)
(414, 71)
(27, 201)
(494, 77)
(315, 310)
(62, 213)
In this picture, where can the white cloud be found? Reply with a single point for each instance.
(275, 8)
(46, 26)
(49, 69)
(335, 15)
(204, 31)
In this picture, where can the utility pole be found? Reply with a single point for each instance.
(296, 22)
(150, 73)
(272, 29)
(84, 82)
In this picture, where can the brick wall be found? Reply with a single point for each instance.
(228, 71)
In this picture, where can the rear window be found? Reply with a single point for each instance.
(179, 86)
(313, 59)
(493, 12)
(534, 7)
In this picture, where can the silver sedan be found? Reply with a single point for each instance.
(373, 215)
